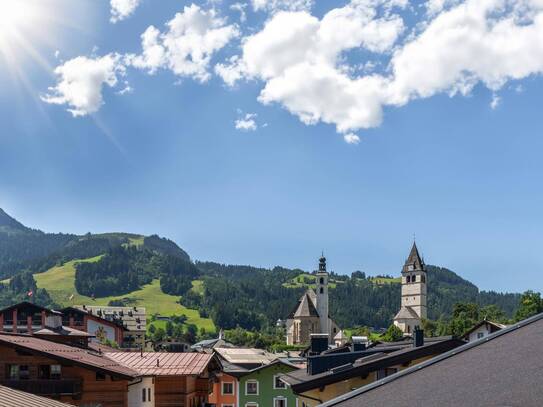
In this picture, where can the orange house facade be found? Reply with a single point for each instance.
(225, 391)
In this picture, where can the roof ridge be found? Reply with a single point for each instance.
(432, 361)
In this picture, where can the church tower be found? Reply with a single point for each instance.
(414, 290)
(322, 296)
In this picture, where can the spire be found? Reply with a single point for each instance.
(322, 263)
(413, 260)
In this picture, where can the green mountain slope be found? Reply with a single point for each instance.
(154, 272)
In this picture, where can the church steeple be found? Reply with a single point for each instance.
(414, 262)
(322, 263)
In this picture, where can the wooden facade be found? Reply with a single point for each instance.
(68, 383)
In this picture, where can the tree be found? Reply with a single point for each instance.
(169, 328)
(393, 334)
(530, 304)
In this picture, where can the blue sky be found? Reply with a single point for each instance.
(452, 154)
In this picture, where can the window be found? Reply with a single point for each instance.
(44, 372)
(144, 395)
(278, 383)
(55, 372)
(251, 387)
(149, 394)
(280, 402)
(322, 280)
(227, 405)
(13, 372)
(100, 376)
(422, 278)
(24, 373)
(480, 335)
(228, 388)
(251, 404)
(408, 279)
(322, 290)
(413, 279)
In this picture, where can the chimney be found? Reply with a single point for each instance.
(359, 343)
(319, 343)
(418, 337)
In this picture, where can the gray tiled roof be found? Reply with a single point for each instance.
(503, 369)
(406, 313)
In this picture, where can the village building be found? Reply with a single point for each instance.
(335, 372)
(169, 379)
(133, 319)
(504, 369)
(413, 308)
(311, 313)
(25, 317)
(74, 375)
(102, 329)
(263, 387)
(482, 330)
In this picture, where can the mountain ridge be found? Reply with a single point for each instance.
(230, 295)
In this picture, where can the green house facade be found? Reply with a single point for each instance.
(261, 387)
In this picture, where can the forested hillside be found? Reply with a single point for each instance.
(248, 297)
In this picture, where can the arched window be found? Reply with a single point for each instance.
(322, 290)
(322, 280)
(422, 278)
(408, 279)
(413, 279)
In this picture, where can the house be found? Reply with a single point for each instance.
(329, 375)
(169, 379)
(16, 398)
(311, 314)
(263, 387)
(134, 319)
(503, 369)
(482, 330)
(25, 317)
(101, 328)
(209, 345)
(70, 374)
(413, 307)
(226, 388)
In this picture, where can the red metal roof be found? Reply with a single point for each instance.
(11, 398)
(163, 363)
(59, 351)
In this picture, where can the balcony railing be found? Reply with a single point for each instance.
(46, 387)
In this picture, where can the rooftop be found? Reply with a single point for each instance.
(163, 363)
(67, 354)
(512, 357)
(13, 398)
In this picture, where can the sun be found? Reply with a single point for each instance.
(25, 25)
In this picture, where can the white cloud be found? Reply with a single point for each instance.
(274, 6)
(351, 138)
(247, 123)
(302, 61)
(80, 83)
(122, 9)
(187, 45)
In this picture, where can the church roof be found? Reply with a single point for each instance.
(306, 308)
(340, 335)
(406, 313)
(414, 260)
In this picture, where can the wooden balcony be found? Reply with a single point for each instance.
(46, 387)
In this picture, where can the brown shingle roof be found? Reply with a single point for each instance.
(58, 351)
(169, 364)
(16, 398)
